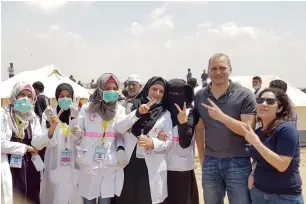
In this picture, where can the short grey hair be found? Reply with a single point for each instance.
(218, 56)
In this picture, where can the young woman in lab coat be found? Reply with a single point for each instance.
(100, 148)
(145, 177)
(21, 138)
(182, 185)
(59, 183)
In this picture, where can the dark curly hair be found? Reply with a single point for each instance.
(284, 115)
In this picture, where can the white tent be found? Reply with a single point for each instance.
(50, 76)
(297, 97)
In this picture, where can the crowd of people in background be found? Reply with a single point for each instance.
(139, 147)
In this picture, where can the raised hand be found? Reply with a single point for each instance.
(54, 119)
(144, 108)
(214, 111)
(182, 114)
(250, 135)
(48, 111)
(53, 123)
(74, 108)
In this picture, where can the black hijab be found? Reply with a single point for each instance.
(147, 121)
(66, 114)
(179, 92)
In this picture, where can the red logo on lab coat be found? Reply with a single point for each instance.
(92, 117)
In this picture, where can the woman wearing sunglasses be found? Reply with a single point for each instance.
(275, 147)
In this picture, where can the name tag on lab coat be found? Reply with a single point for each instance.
(16, 161)
(100, 153)
(66, 156)
(38, 162)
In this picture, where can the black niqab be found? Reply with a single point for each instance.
(179, 92)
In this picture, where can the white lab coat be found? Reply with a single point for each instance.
(16, 148)
(178, 158)
(97, 180)
(155, 159)
(59, 183)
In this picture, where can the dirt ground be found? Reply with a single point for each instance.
(198, 173)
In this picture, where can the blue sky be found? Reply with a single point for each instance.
(87, 39)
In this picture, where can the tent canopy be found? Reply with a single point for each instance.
(50, 76)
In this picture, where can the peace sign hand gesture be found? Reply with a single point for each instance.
(74, 108)
(53, 123)
(250, 135)
(48, 111)
(54, 119)
(214, 111)
(182, 114)
(144, 108)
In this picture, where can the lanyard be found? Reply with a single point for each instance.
(104, 125)
(20, 134)
(65, 130)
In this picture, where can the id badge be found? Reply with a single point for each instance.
(100, 153)
(16, 161)
(66, 156)
(38, 162)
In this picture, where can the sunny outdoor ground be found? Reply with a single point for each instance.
(302, 171)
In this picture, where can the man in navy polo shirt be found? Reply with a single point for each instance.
(226, 163)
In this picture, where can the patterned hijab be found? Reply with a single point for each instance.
(106, 111)
(24, 118)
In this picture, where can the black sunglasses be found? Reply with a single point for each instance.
(270, 101)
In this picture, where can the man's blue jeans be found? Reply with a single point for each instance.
(220, 175)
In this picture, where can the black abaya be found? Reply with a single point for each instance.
(136, 188)
(182, 188)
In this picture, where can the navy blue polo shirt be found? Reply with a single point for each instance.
(284, 142)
